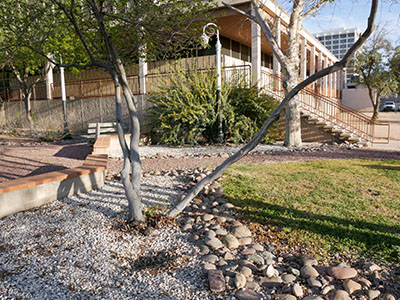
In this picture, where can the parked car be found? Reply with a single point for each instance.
(389, 106)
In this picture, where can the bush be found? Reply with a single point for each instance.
(185, 109)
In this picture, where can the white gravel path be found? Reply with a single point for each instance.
(71, 249)
(154, 150)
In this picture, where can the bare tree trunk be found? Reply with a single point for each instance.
(374, 101)
(293, 120)
(28, 106)
(131, 186)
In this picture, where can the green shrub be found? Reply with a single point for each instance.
(185, 109)
(246, 111)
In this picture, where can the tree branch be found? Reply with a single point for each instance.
(275, 116)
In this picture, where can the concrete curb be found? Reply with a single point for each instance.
(33, 191)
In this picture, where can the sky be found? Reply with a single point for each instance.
(354, 13)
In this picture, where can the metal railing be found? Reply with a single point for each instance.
(330, 111)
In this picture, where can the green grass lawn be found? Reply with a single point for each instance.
(333, 206)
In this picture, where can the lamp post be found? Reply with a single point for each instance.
(205, 38)
(63, 96)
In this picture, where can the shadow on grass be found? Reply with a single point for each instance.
(383, 167)
(376, 239)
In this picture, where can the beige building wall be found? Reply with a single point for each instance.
(357, 99)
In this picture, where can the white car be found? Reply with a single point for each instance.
(389, 106)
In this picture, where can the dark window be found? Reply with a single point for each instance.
(343, 41)
(350, 34)
(336, 36)
(235, 49)
(335, 42)
(245, 52)
(343, 35)
(226, 45)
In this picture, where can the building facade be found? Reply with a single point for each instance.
(338, 41)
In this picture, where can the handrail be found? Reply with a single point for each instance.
(344, 116)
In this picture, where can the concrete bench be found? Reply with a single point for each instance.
(97, 129)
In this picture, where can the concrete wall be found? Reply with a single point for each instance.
(48, 114)
(357, 99)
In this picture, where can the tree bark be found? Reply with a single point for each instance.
(131, 187)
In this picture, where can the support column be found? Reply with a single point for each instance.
(312, 65)
(49, 80)
(303, 60)
(319, 68)
(330, 82)
(255, 52)
(142, 75)
(276, 64)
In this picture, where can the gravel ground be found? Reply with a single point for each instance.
(75, 249)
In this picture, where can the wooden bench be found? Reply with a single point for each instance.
(109, 128)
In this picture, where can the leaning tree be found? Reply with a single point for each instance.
(289, 97)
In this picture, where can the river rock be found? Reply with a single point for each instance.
(288, 278)
(309, 272)
(247, 294)
(216, 281)
(211, 258)
(314, 283)
(342, 272)
(246, 271)
(271, 282)
(231, 241)
(245, 241)
(297, 290)
(241, 231)
(351, 286)
(240, 281)
(373, 294)
(204, 249)
(213, 243)
(207, 217)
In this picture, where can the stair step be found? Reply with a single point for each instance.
(337, 130)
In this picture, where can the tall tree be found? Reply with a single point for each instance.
(395, 68)
(179, 207)
(288, 58)
(116, 32)
(373, 69)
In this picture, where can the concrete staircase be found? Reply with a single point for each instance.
(340, 130)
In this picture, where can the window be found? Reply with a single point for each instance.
(336, 36)
(328, 38)
(235, 49)
(343, 35)
(343, 41)
(343, 46)
(245, 52)
(335, 42)
(328, 42)
(351, 40)
(350, 34)
(335, 47)
(321, 38)
(226, 46)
